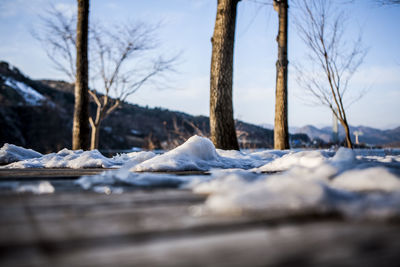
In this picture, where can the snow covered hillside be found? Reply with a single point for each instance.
(357, 184)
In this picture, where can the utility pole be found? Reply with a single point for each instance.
(357, 134)
(335, 129)
(281, 132)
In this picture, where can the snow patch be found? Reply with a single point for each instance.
(335, 184)
(133, 157)
(30, 95)
(372, 179)
(308, 159)
(356, 184)
(111, 181)
(76, 159)
(10, 153)
(198, 153)
(35, 187)
(43, 187)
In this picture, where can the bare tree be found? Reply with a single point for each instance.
(113, 50)
(333, 61)
(80, 132)
(222, 124)
(281, 132)
(122, 60)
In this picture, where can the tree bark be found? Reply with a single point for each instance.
(94, 141)
(281, 133)
(222, 124)
(345, 125)
(81, 130)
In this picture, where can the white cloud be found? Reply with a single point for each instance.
(68, 9)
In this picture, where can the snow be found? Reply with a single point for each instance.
(355, 183)
(133, 157)
(198, 153)
(303, 158)
(11, 153)
(372, 179)
(37, 187)
(80, 159)
(314, 181)
(30, 95)
(43, 187)
(110, 181)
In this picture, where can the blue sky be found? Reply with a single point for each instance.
(188, 27)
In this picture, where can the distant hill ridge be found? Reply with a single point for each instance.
(38, 114)
(369, 135)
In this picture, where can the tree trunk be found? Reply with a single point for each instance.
(222, 124)
(81, 131)
(281, 133)
(347, 132)
(94, 141)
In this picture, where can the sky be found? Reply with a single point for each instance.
(187, 26)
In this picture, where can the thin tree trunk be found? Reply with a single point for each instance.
(94, 141)
(222, 124)
(81, 131)
(347, 132)
(281, 133)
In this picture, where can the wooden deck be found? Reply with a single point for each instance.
(162, 227)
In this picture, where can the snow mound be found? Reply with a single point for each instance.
(65, 158)
(372, 179)
(10, 153)
(198, 153)
(304, 158)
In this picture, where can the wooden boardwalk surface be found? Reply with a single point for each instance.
(163, 228)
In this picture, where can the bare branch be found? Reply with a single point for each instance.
(321, 27)
(122, 58)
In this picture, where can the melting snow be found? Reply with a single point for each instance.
(198, 153)
(355, 183)
(39, 187)
(11, 153)
(79, 159)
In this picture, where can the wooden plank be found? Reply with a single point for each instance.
(311, 244)
(98, 222)
(164, 228)
(48, 173)
(13, 208)
(65, 173)
(93, 216)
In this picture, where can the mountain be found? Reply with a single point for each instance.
(371, 136)
(315, 133)
(38, 114)
(292, 129)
